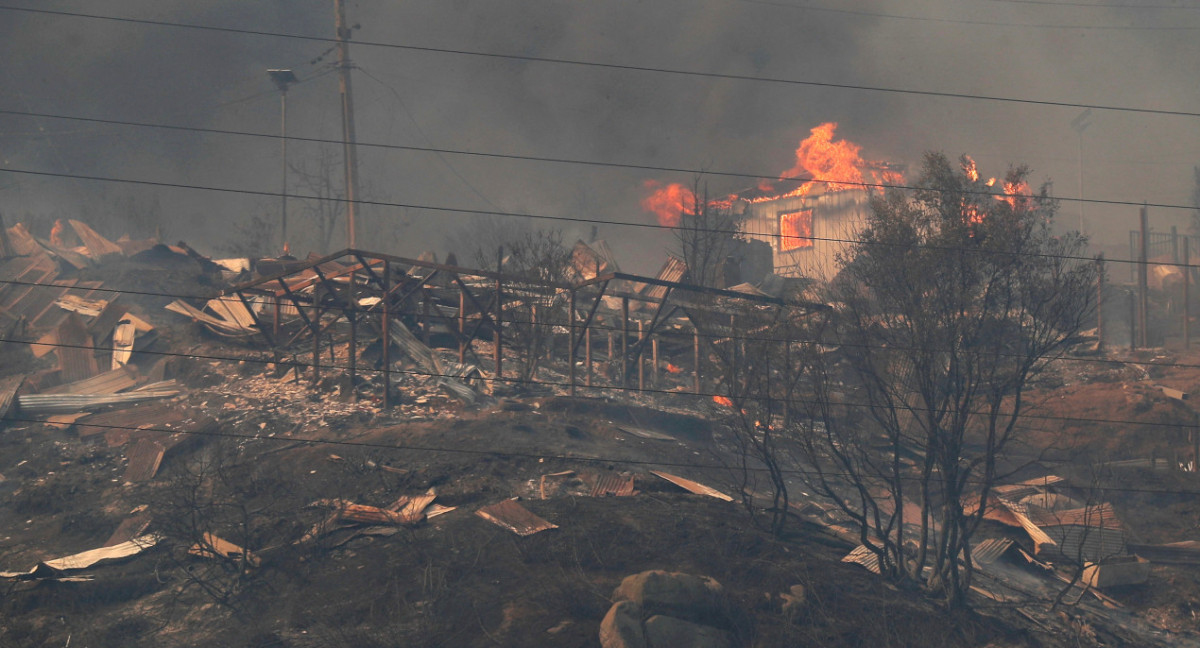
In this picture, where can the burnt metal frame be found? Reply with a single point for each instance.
(398, 271)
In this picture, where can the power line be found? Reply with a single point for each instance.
(618, 66)
(1097, 5)
(591, 221)
(533, 158)
(977, 23)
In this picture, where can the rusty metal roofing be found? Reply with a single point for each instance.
(1097, 516)
(514, 517)
(990, 550)
(613, 485)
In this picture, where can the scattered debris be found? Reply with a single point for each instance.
(54, 568)
(211, 546)
(646, 433)
(510, 515)
(144, 459)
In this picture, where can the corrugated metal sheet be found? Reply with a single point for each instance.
(1099, 516)
(514, 517)
(36, 404)
(613, 485)
(865, 557)
(109, 382)
(673, 270)
(990, 550)
(691, 486)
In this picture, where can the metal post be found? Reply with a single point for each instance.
(496, 337)
(587, 345)
(571, 344)
(316, 343)
(654, 360)
(283, 146)
(625, 342)
(387, 335)
(641, 361)
(425, 317)
(1133, 325)
(462, 327)
(1187, 295)
(608, 369)
(696, 360)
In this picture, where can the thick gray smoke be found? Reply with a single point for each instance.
(1142, 57)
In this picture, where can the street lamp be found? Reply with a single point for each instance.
(283, 79)
(1080, 124)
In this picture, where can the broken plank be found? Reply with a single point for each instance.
(144, 459)
(211, 546)
(514, 517)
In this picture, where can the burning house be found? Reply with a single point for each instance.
(807, 216)
(806, 228)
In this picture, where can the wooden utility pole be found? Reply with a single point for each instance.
(1143, 283)
(1100, 301)
(349, 153)
(1187, 294)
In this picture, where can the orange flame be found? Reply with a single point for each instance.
(721, 400)
(824, 160)
(1016, 194)
(969, 168)
(56, 233)
(673, 369)
(667, 201)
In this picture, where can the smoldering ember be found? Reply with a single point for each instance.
(830, 388)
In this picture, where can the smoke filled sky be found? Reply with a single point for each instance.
(1140, 54)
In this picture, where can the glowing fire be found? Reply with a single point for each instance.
(667, 201)
(819, 159)
(795, 229)
(1016, 194)
(56, 233)
(824, 160)
(673, 369)
(721, 400)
